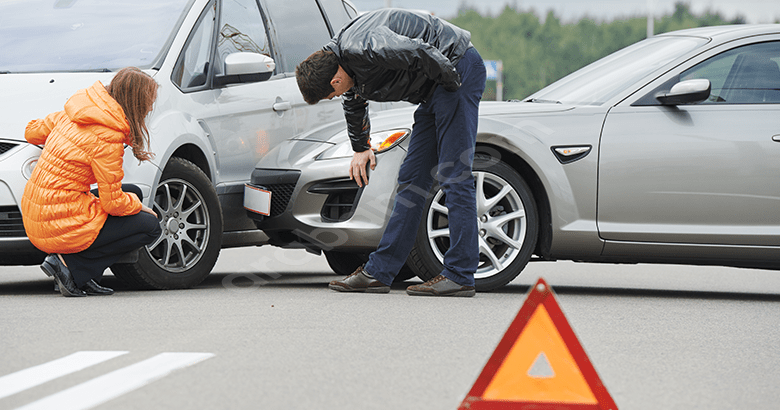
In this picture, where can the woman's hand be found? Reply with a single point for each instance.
(144, 208)
(148, 210)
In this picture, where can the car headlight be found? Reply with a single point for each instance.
(380, 142)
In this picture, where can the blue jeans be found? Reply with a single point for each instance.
(441, 146)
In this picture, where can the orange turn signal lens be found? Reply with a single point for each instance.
(391, 140)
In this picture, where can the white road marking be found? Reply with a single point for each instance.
(104, 388)
(37, 375)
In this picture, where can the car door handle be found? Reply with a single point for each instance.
(282, 106)
(776, 138)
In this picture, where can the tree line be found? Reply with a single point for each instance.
(536, 52)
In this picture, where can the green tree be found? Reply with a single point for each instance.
(536, 51)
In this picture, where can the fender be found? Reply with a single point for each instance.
(168, 133)
(530, 144)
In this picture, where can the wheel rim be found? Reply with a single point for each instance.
(185, 226)
(501, 224)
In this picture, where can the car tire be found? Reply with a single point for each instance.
(191, 220)
(506, 244)
(344, 263)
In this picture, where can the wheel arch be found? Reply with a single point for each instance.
(531, 177)
(185, 270)
(194, 154)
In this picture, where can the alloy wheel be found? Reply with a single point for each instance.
(501, 220)
(184, 221)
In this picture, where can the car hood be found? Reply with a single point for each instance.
(516, 107)
(294, 152)
(404, 118)
(30, 96)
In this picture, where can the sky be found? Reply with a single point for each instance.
(754, 11)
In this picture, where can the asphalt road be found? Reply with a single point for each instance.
(263, 332)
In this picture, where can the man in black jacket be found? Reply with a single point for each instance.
(397, 55)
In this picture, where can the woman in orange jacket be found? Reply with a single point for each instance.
(86, 232)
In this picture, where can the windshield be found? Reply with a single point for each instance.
(84, 35)
(605, 78)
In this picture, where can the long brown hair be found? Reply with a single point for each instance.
(135, 91)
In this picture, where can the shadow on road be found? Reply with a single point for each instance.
(645, 292)
(319, 281)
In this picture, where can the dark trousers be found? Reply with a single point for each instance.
(119, 235)
(442, 145)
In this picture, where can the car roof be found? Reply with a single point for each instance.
(728, 32)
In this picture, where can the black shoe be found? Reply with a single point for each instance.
(52, 266)
(93, 289)
(56, 285)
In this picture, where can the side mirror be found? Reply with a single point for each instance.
(686, 92)
(245, 67)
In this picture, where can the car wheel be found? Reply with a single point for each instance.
(507, 220)
(191, 220)
(344, 263)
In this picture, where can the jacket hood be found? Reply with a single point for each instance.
(94, 105)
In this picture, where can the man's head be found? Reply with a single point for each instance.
(320, 77)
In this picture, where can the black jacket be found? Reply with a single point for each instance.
(395, 55)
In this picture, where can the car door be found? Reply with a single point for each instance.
(238, 119)
(244, 121)
(252, 117)
(706, 173)
(301, 29)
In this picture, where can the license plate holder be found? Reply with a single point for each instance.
(257, 199)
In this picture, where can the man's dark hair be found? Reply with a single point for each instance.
(314, 75)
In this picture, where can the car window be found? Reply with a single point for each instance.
(191, 69)
(606, 78)
(351, 10)
(338, 12)
(300, 29)
(241, 29)
(744, 75)
(86, 35)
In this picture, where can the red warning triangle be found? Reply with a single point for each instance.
(539, 364)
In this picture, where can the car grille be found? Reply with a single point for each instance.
(280, 182)
(5, 147)
(280, 197)
(11, 222)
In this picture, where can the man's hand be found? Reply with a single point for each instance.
(454, 85)
(357, 169)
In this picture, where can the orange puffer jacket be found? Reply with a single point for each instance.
(84, 144)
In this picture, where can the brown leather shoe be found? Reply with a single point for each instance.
(441, 286)
(359, 281)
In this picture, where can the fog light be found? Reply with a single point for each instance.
(28, 167)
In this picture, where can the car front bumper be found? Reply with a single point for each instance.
(318, 207)
(16, 162)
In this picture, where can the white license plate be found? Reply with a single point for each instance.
(257, 200)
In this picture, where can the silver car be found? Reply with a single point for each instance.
(227, 95)
(667, 151)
